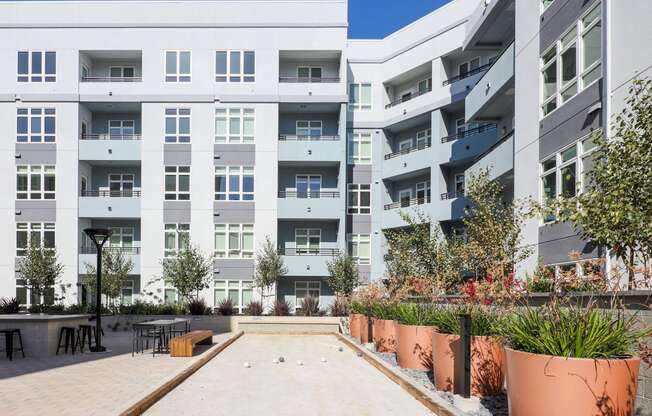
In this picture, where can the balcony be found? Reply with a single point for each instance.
(104, 75)
(499, 158)
(451, 195)
(309, 80)
(407, 97)
(304, 74)
(468, 74)
(407, 162)
(88, 255)
(307, 262)
(474, 132)
(490, 25)
(325, 204)
(392, 211)
(110, 79)
(104, 203)
(298, 148)
(105, 147)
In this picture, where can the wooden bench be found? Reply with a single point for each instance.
(183, 346)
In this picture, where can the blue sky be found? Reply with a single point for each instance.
(375, 19)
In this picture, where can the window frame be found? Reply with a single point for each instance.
(177, 114)
(176, 195)
(356, 240)
(359, 105)
(582, 30)
(310, 68)
(178, 76)
(356, 137)
(307, 289)
(242, 230)
(122, 70)
(30, 228)
(309, 128)
(307, 233)
(45, 114)
(245, 115)
(242, 172)
(44, 172)
(309, 181)
(30, 76)
(177, 230)
(228, 76)
(357, 208)
(226, 285)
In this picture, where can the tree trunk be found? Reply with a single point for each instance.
(630, 269)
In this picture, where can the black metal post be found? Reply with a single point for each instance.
(98, 302)
(465, 341)
(370, 327)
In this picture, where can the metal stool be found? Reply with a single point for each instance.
(9, 342)
(70, 339)
(85, 334)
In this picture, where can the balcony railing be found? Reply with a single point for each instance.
(108, 193)
(311, 195)
(107, 136)
(452, 195)
(123, 250)
(297, 251)
(313, 80)
(307, 137)
(407, 150)
(111, 79)
(470, 132)
(407, 98)
(406, 203)
(467, 74)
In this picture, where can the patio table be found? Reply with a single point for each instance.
(166, 326)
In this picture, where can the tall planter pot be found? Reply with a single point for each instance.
(487, 363)
(354, 325)
(544, 385)
(385, 335)
(364, 329)
(414, 346)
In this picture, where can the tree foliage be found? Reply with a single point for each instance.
(343, 272)
(270, 267)
(115, 271)
(189, 272)
(40, 268)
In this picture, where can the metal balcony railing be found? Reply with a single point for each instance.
(108, 193)
(123, 250)
(469, 132)
(467, 74)
(111, 79)
(452, 195)
(407, 98)
(310, 195)
(313, 80)
(307, 137)
(407, 150)
(300, 251)
(107, 136)
(406, 203)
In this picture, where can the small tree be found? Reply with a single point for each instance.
(115, 271)
(41, 269)
(270, 267)
(343, 272)
(189, 272)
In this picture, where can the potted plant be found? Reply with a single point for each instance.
(571, 360)
(414, 336)
(356, 315)
(487, 358)
(384, 326)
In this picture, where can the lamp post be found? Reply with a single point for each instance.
(99, 236)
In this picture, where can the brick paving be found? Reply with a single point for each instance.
(87, 384)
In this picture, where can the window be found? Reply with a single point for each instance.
(234, 125)
(240, 292)
(404, 197)
(170, 294)
(360, 248)
(121, 129)
(359, 148)
(423, 138)
(37, 66)
(405, 145)
(235, 66)
(309, 128)
(465, 67)
(359, 198)
(568, 65)
(177, 238)
(307, 240)
(549, 80)
(39, 233)
(305, 289)
(234, 241)
(177, 66)
(459, 184)
(234, 183)
(308, 186)
(35, 182)
(177, 183)
(35, 125)
(360, 97)
(309, 72)
(85, 73)
(122, 237)
(546, 3)
(424, 86)
(591, 34)
(121, 184)
(127, 292)
(177, 125)
(122, 71)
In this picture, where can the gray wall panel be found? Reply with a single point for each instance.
(234, 155)
(177, 154)
(234, 212)
(176, 211)
(36, 211)
(36, 153)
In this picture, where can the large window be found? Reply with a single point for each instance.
(234, 183)
(177, 183)
(359, 198)
(35, 182)
(122, 237)
(39, 233)
(121, 184)
(360, 148)
(127, 292)
(234, 241)
(235, 66)
(122, 129)
(234, 125)
(573, 62)
(360, 96)
(360, 247)
(177, 66)
(308, 128)
(240, 292)
(35, 125)
(307, 240)
(177, 125)
(305, 289)
(37, 66)
(308, 186)
(177, 238)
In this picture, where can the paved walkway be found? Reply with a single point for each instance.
(344, 385)
(86, 384)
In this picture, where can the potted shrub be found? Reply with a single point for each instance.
(356, 315)
(384, 326)
(487, 358)
(571, 361)
(414, 336)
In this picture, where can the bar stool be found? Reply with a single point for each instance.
(9, 342)
(69, 332)
(85, 332)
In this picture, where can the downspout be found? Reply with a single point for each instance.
(606, 100)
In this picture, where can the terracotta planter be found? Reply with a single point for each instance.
(364, 329)
(385, 335)
(414, 346)
(543, 385)
(354, 325)
(487, 362)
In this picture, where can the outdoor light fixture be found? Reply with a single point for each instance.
(99, 236)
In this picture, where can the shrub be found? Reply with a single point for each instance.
(10, 305)
(358, 308)
(415, 314)
(225, 308)
(309, 307)
(197, 307)
(340, 307)
(281, 307)
(384, 310)
(254, 308)
(484, 321)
